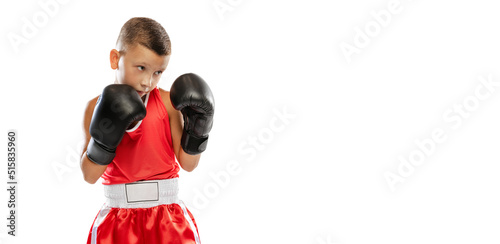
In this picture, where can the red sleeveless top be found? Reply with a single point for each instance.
(146, 151)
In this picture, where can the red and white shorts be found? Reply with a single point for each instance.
(143, 212)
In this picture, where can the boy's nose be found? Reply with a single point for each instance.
(147, 81)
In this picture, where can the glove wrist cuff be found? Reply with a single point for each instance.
(98, 154)
(192, 144)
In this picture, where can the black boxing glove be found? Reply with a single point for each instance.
(191, 95)
(117, 108)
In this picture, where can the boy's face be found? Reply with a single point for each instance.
(138, 67)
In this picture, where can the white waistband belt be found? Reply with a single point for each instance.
(142, 194)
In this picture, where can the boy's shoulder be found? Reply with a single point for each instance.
(165, 97)
(93, 100)
(163, 91)
(89, 111)
(91, 104)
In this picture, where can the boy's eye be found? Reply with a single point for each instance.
(140, 67)
(158, 73)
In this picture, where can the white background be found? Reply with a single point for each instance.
(320, 177)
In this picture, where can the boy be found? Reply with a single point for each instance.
(134, 131)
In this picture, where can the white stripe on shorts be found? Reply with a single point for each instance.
(190, 221)
(102, 214)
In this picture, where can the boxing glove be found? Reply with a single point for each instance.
(116, 109)
(191, 95)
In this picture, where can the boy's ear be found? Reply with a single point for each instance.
(114, 57)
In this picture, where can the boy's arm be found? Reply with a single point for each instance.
(187, 162)
(91, 171)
